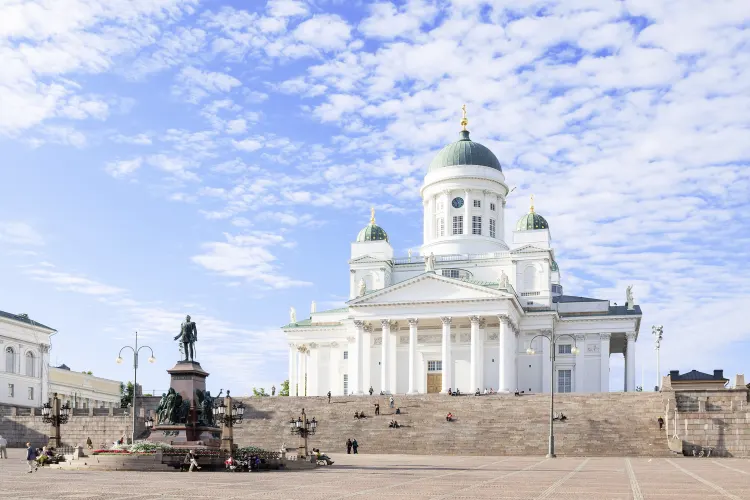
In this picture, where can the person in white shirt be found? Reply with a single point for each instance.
(3, 448)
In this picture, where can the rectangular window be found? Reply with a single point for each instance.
(451, 273)
(346, 385)
(476, 225)
(477, 204)
(564, 349)
(440, 227)
(564, 381)
(11, 390)
(434, 366)
(492, 228)
(346, 354)
(440, 206)
(31, 394)
(458, 224)
(492, 207)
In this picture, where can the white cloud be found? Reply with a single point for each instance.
(72, 283)
(138, 139)
(238, 126)
(19, 233)
(247, 256)
(248, 145)
(324, 31)
(178, 167)
(386, 21)
(123, 168)
(195, 84)
(286, 8)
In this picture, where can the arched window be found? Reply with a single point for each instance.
(30, 364)
(10, 360)
(529, 279)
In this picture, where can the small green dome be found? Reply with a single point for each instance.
(465, 152)
(531, 221)
(372, 232)
(553, 266)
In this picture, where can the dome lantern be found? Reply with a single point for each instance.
(464, 152)
(372, 232)
(532, 220)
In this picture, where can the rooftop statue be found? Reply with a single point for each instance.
(188, 336)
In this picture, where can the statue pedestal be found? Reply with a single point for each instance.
(187, 377)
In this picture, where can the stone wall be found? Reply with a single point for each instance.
(718, 419)
(104, 426)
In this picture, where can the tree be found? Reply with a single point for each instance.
(126, 394)
(284, 391)
(259, 393)
(88, 372)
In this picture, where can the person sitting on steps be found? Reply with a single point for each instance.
(477, 393)
(398, 411)
(356, 415)
(661, 423)
(449, 417)
(394, 424)
(371, 390)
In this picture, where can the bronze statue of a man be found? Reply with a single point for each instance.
(188, 336)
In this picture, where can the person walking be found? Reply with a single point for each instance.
(391, 402)
(371, 390)
(348, 446)
(329, 396)
(355, 445)
(191, 459)
(3, 448)
(89, 444)
(31, 458)
(377, 409)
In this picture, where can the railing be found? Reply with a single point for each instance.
(416, 259)
(530, 294)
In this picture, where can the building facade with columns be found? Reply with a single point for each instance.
(472, 311)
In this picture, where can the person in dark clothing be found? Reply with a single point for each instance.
(31, 458)
(398, 411)
(329, 396)
(371, 390)
(377, 409)
(661, 423)
(355, 445)
(348, 446)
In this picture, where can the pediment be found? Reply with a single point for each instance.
(529, 249)
(426, 288)
(365, 258)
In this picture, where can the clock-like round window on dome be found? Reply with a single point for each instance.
(457, 202)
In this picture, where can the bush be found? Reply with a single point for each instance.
(147, 447)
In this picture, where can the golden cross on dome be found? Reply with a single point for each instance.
(464, 120)
(532, 204)
(372, 215)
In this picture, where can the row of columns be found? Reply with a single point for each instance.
(507, 355)
(431, 213)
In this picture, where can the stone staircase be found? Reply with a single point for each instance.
(612, 424)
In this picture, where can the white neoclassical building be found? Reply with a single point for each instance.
(471, 312)
(24, 374)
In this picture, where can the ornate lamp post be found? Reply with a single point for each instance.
(119, 360)
(551, 337)
(55, 415)
(303, 427)
(228, 414)
(657, 332)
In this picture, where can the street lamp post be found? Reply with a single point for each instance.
(574, 350)
(119, 360)
(55, 415)
(303, 427)
(658, 333)
(228, 414)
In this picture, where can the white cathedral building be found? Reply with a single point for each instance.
(472, 312)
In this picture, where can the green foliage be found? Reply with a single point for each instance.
(284, 388)
(259, 393)
(146, 447)
(126, 394)
(87, 372)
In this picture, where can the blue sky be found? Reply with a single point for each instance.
(165, 157)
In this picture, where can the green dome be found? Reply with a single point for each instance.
(465, 152)
(531, 221)
(553, 266)
(372, 232)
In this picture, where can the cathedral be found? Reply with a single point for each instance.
(471, 312)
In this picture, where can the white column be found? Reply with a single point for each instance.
(473, 384)
(393, 339)
(292, 370)
(446, 354)
(301, 369)
(384, 361)
(630, 362)
(485, 213)
(367, 359)
(335, 380)
(425, 224)
(431, 218)
(467, 212)
(506, 355)
(580, 384)
(312, 370)
(480, 355)
(358, 354)
(604, 361)
(413, 356)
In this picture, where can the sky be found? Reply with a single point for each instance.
(171, 157)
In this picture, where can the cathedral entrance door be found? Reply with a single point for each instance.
(434, 382)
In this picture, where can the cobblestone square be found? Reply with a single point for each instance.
(405, 476)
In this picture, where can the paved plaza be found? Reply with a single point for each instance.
(405, 476)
